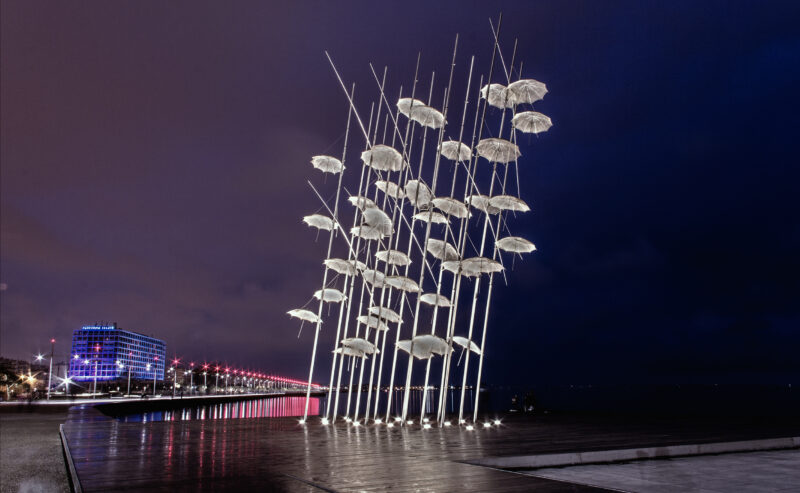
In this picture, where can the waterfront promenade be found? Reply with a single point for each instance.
(278, 454)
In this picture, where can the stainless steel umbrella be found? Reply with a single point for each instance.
(527, 91)
(385, 313)
(497, 95)
(466, 343)
(374, 277)
(498, 150)
(304, 315)
(434, 299)
(509, 203)
(451, 207)
(367, 233)
(362, 203)
(441, 249)
(455, 151)
(343, 266)
(515, 244)
(330, 295)
(327, 164)
(482, 203)
(360, 344)
(403, 283)
(319, 221)
(383, 158)
(393, 257)
(431, 216)
(372, 322)
(418, 193)
(531, 122)
(391, 189)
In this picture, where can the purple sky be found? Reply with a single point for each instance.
(155, 158)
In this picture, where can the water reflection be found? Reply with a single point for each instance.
(269, 407)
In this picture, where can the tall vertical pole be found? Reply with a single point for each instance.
(50, 373)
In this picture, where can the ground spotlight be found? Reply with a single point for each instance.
(470, 428)
(324, 421)
(302, 421)
(356, 423)
(427, 426)
(447, 423)
(497, 422)
(378, 421)
(487, 425)
(390, 425)
(410, 421)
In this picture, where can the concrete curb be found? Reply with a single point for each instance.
(74, 482)
(624, 455)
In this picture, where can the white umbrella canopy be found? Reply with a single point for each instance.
(473, 267)
(441, 249)
(427, 116)
(419, 351)
(343, 266)
(374, 277)
(327, 164)
(531, 122)
(376, 218)
(431, 216)
(515, 244)
(330, 295)
(304, 315)
(509, 203)
(425, 346)
(466, 343)
(451, 207)
(391, 189)
(368, 233)
(497, 95)
(455, 151)
(348, 351)
(372, 322)
(360, 344)
(527, 91)
(418, 193)
(406, 104)
(362, 203)
(434, 299)
(482, 203)
(319, 221)
(383, 158)
(393, 257)
(498, 150)
(403, 283)
(385, 313)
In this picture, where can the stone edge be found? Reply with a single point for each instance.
(74, 481)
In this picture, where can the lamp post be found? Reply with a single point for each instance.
(130, 358)
(147, 368)
(216, 384)
(174, 375)
(50, 373)
(96, 355)
(226, 380)
(205, 380)
(191, 378)
(155, 371)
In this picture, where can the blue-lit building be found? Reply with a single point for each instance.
(106, 352)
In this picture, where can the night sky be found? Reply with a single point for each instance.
(155, 158)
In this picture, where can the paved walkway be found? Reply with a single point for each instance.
(30, 453)
(278, 454)
(772, 471)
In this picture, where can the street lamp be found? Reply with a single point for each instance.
(174, 375)
(130, 361)
(155, 370)
(50, 373)
(97, 351)
(191, 377)
(216, 384)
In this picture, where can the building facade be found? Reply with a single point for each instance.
(105, 352)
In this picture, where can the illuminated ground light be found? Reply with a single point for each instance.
(470, 428)
(462, 421)
(398, 419)
(410, 421)
(390, 425)
(447, 423)
(324, 421)
(427, 426)
(378, 421)
(348, 420)
(356, 423)
(487, 425)
(497, 422)
(425, 420)
(302, 421)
